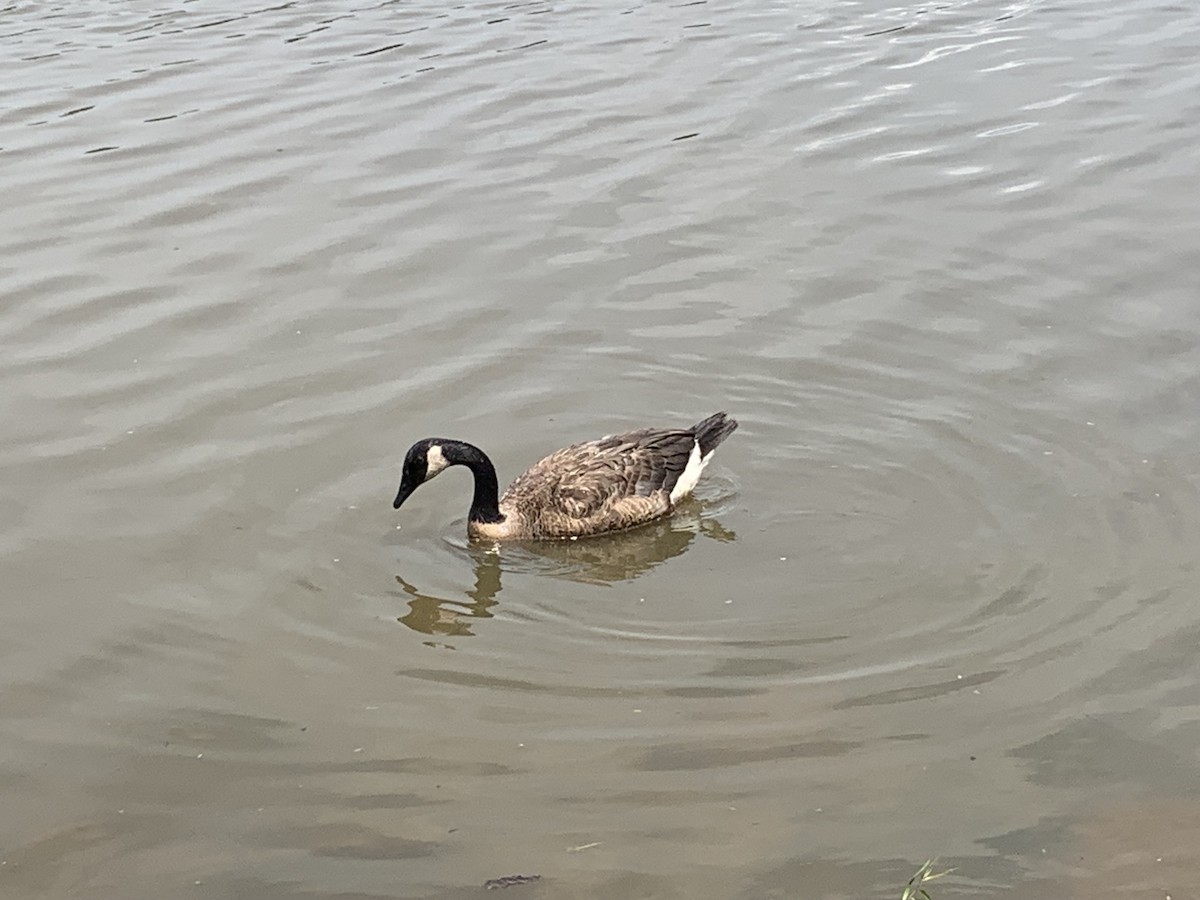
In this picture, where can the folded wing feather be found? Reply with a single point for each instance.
(605, 484)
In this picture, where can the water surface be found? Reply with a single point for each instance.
(936, 597)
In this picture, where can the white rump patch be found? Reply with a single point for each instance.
(434, 461)
(691, 473)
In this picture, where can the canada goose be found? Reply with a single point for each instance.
(609, 484)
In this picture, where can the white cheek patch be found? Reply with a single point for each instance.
(434, 461)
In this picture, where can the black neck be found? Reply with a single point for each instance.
(485, 505)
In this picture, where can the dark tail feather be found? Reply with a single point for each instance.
(712, 431)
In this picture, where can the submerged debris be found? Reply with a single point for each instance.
(915, 889)
(510, 880)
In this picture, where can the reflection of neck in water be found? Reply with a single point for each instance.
(605, 559)
(436, 615)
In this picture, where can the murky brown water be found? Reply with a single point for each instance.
(938, 596)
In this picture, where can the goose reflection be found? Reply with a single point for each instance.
(606, 559)
(439, 615)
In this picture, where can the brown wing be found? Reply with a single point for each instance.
(604, 485)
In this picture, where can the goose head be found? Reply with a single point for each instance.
(425, 460)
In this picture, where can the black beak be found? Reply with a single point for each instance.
(406, 490)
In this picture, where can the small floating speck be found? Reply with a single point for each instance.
(510, 881)
(199, 756)
(783, 559)
(727, 602)
(684, 137)
(335, 559)
(358, 749)
(584, 847)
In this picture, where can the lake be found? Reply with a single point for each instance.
(936, 597)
